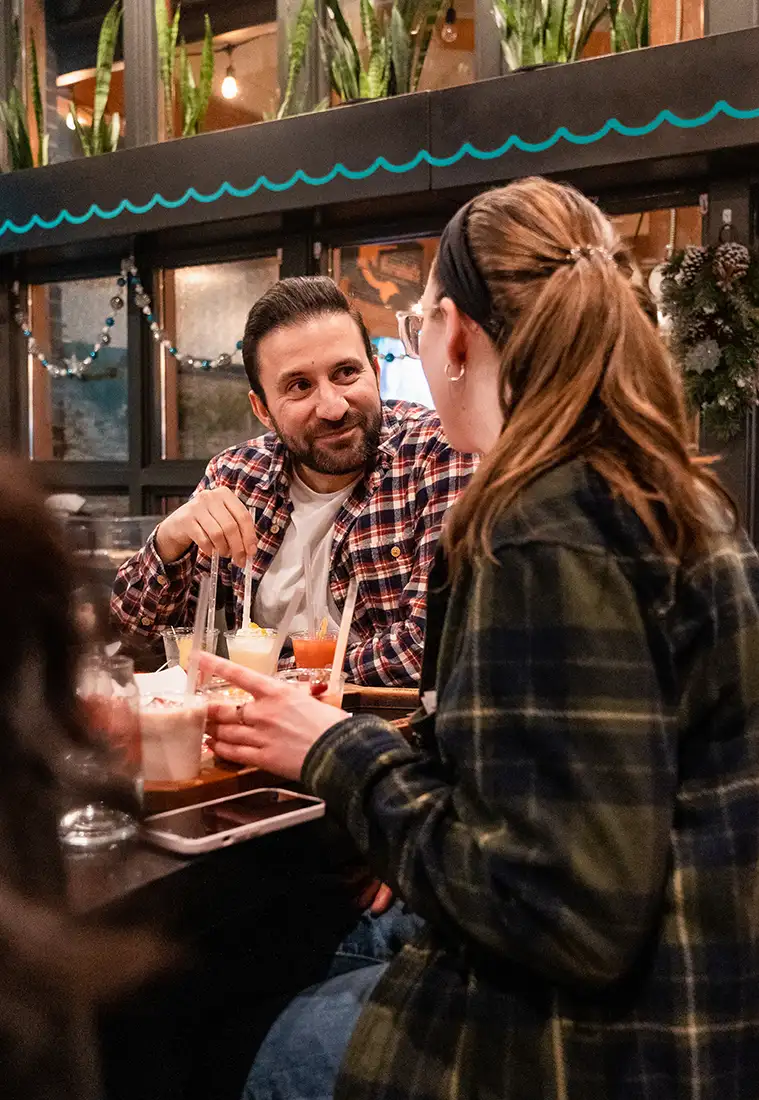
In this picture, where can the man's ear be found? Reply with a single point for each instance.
(260, 410)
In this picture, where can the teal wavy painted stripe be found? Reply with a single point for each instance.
(612, 125)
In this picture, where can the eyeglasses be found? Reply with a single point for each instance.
(410, 327)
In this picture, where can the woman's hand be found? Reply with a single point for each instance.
(275, 729)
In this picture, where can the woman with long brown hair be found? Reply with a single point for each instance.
(579, 821)
(54, 967)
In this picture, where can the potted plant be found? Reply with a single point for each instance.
(181, 95)
(101, 135)
(13, 113)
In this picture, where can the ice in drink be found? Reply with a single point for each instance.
(172, 728)
(255, 649)
(314, 652)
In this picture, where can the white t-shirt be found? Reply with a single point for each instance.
(312, 523)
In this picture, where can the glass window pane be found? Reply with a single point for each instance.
(648, 235)
(450, 58)
(205, 310)
(381, 279)
(249, 57)
(77, 419)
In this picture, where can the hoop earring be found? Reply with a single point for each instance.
(455, 377)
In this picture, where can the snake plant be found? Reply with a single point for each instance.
(540, 32)
(297, 52)
(396, 46)
(100, 135)
(177, 81)
(630, 24)
(13, 113)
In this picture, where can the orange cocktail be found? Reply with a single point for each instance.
(314, 652)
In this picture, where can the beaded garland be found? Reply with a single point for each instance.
(129, 279)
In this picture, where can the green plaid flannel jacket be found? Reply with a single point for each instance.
(580, 827)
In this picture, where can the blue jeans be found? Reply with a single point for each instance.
(301, 1056)
(375, 939)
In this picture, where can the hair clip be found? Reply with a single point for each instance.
(586, 251)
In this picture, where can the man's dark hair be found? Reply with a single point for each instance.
(287, 303)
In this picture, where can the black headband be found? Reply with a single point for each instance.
(458, 275)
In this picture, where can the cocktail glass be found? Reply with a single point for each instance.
(316, 680)
(256, 649)
(172, 727)
(314, 652)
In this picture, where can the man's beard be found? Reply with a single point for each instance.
(315, 451)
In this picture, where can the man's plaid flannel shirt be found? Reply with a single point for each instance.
(385, 536)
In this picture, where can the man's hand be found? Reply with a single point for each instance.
(377, 898)
(215, 519)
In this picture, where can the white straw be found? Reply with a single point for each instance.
(286, 622)
(310, 609)
(211, 618)
(247, 595)
(201, 611)
(342, 637)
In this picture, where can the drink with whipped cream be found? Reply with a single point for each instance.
(254, 648)
(172, 728)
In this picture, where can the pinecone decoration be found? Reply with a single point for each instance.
(693, 260)
(694, 328)
(731, 262)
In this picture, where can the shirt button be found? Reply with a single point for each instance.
(396, 551)
(162, 579)
(274, 528)
(146, 620)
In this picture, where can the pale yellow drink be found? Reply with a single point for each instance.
(255, 649)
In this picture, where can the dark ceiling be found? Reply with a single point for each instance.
(78, 21)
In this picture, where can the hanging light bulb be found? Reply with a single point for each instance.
(70, 121)
(229, 87)
(450, 31)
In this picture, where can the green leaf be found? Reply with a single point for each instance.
(370, 26)
(109, 33)
(400, 52)
(297, 52)
(167, 44)
(115, 132)
(187, 92)
(39, 116)
(18, 111)
(205, 82)
(82, 134)
(344, 32)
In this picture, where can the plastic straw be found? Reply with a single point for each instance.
(214, 583)
(287, 621)
(310, 609)
(342, 637)
(248, 593)
(201, 612)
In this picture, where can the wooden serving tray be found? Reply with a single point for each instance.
(219, 778)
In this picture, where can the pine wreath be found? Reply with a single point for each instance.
(712, 298)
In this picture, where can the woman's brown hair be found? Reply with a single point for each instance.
(54, 967)
(583, 370)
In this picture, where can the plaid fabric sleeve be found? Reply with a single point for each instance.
(148, 593)
(394, 657)
(542, 832)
